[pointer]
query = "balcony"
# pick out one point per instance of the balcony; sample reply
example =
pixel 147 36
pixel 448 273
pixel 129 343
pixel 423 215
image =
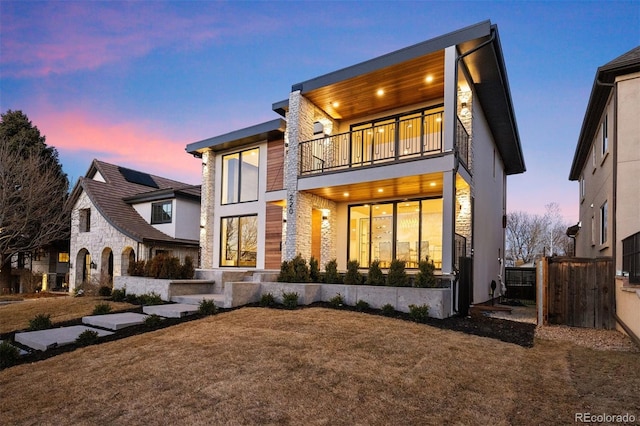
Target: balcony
pixel 409 137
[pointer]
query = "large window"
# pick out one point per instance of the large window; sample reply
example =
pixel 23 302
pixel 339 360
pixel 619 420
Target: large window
pixel 406 230
pixel 161 212
pixel 239 241
pixel 240 176
pixel 85 220
pixel 631 257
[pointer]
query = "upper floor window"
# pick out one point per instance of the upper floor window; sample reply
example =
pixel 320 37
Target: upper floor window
pixel 85 220
pixel 240 176
pixel 603 223
pixel 581 182
pixel 593 157
pixel 161 212
pixel 631 257
pixel 605 135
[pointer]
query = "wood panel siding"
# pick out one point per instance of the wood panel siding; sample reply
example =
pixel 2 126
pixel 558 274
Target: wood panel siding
pixel 273 237
pixel 275 165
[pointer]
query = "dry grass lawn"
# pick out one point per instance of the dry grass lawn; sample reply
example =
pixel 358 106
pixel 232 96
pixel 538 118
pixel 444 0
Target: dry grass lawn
pixel 16 316
pixel 317 366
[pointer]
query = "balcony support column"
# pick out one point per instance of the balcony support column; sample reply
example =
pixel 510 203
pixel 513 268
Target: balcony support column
pixel 207 210
pixel 448 219
pixel 450 95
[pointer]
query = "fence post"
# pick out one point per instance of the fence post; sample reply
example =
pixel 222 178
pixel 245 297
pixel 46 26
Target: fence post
pixel 542 283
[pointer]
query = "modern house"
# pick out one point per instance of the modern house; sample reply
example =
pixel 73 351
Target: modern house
pixel 403 156
pixel 121 215
pixel 45 268
pixel 606 164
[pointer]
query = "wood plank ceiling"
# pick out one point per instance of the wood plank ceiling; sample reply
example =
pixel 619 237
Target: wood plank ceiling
pixel 407 83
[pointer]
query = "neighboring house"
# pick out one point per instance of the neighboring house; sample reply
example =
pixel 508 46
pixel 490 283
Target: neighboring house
pixel 606 164
pixel 403 156
pixel 45 268
pixel 121 215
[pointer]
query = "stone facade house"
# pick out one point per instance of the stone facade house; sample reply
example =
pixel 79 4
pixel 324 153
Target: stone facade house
pixel 403 156
pixel 121 215
pixel 606 164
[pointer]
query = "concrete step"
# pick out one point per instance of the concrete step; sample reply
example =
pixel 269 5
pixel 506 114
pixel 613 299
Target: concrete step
pixel 115 321
pixel 195 299
pixel 47 339
pixel 171 310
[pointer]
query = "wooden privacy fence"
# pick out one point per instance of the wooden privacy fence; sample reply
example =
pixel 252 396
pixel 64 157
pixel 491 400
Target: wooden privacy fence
pixel 577 292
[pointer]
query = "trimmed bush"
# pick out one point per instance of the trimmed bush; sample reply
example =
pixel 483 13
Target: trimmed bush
pixel 362 306
pixel 336 301
pixel 388 310
pixel 132 298
pixel 87 337
pixel 331 275
pixel 419 313
pixel 40 322
pixel 9 355
pixel 102 309
pixel 153 320
pixel 267 300
pixel 300 270
pixel 397 276
pixel 104 291
pixel 425 278
pixel 119 295
pixel 375 275
pixel 207 307
pixel 314 270
pixel 188 269
pixel 289 300
pixel 137 268
pixel 353 276
pixel 148 299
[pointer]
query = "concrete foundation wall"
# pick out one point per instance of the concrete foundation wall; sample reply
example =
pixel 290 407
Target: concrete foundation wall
pixel 165 288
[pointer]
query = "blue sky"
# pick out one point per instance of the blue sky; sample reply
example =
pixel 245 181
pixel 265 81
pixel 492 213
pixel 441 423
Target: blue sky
pixel 133 82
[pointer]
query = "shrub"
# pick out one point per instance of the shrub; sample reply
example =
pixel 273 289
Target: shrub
pixel 119 294
pixel 207 307
pixel 289 300
pixel 102 309
pixel 425 276
pixel 336 301
pixel 419 313
pixel 331 275
pixel 133 299
pixel 152 298
pixel 40 322
pixel 87 337
pixel 9 355
pixel 152 320
pixel 188 270
pixel 300 270
pixel 137 268
pixel 353 276
pixel 104 291
pixel 397 276
pixel 170 268
pixel 314 270
pixel 375 276
pixel 287 273
pixel 388 310
pixel 362 306
pixel 267 300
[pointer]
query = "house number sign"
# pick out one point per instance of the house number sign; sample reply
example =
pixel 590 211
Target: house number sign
pixel 291 198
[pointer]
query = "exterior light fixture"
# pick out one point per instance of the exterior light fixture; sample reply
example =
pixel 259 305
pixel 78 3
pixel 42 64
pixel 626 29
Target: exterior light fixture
pixel 380 190
pixel 429 79
pixel 380 92
pixel 325 215
pixel 464 110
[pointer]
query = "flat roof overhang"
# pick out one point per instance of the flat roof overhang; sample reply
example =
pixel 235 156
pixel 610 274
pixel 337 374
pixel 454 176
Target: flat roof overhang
pixel 270 130
pixel 402 76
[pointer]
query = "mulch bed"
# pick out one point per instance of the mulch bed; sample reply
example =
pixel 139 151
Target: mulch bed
pixel 504 330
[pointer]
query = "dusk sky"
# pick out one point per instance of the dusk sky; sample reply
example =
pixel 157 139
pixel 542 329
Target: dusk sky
pixel 132 83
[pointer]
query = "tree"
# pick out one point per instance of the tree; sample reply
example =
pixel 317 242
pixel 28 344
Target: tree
pixel 33 191
pixel 530 235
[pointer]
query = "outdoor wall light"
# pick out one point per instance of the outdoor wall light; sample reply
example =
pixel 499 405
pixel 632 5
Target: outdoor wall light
pixel 464 110
pixel 93 265
pixel 325 217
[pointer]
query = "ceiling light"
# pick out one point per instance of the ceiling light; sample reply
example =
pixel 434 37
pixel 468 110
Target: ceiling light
pixel 335 104
pixel 380 92
pixel 429 78
pixel 346 194
pixel 380 190
pixel 432 184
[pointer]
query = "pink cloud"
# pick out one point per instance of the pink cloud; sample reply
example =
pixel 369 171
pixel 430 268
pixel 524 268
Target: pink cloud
pixel 137 145
pixel 64 37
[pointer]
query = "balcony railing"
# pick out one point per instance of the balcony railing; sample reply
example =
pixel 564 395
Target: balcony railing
pixel 462 143
pixel 415 137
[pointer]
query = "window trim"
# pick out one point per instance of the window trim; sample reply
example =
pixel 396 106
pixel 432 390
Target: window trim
pixel 631 257
pixel 157 217
pixel 605 136
pixel 238 194
pixel 604 214
pixel 238 247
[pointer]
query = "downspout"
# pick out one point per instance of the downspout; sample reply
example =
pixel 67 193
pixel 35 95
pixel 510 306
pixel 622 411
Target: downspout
pixel 614 159
pixel 456 165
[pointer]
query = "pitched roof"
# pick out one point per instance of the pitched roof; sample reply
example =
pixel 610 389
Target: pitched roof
pixel 113 198
pixel 603 83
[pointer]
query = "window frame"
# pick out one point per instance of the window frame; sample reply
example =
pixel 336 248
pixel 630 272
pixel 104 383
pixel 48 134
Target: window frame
pixel 84 220
pixel 605 135
pixel 157 217
pixel 239 247
pixel 604 214
pixel 224 179
pixel 631 257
